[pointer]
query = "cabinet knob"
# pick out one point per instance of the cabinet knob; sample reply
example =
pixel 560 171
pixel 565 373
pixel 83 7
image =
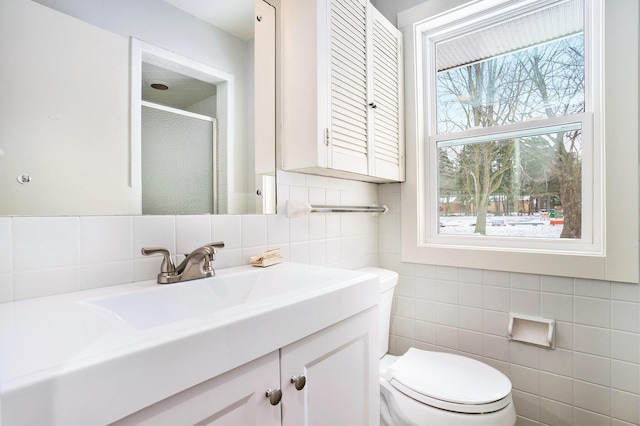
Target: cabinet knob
pixel 274 395
pixel 373 105
pixel 299 381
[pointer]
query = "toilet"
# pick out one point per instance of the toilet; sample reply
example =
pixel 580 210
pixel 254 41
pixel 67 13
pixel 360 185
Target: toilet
pixel 436 388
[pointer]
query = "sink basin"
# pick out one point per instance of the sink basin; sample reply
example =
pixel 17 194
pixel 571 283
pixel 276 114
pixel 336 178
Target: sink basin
pixel 226 293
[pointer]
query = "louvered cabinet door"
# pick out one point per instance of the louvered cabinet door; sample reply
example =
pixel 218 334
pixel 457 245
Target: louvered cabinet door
pixel 342 106
pixel 386 140
pixel 348 127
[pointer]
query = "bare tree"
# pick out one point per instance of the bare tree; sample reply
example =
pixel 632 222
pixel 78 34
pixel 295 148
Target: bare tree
pixel 559 74
pixel 544 81
pixel 482 92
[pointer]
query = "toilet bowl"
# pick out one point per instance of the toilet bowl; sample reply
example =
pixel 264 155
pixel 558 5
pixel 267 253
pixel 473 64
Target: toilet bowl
pixel 436 388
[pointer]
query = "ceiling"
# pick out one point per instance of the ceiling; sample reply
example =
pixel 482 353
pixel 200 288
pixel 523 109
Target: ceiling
pixel 183 92
pixel 232 16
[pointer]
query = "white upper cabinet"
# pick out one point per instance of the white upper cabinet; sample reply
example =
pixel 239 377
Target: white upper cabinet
pixel 342 91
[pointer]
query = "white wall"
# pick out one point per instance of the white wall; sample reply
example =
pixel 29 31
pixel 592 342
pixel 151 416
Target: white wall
pixel 41 256
pixel 162 25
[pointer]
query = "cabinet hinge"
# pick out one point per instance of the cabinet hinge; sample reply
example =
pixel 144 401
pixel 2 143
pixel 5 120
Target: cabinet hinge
pixel 326 136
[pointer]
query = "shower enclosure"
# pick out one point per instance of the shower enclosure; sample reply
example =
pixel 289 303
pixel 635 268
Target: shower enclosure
pixel 178 162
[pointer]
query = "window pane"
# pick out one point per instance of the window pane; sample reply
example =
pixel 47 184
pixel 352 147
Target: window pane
pixel 543 81
pixel 528 186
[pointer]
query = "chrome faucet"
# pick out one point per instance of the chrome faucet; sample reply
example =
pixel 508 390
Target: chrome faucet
pixel 197 264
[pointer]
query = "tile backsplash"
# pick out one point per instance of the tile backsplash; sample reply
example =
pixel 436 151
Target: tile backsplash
pixel 42 256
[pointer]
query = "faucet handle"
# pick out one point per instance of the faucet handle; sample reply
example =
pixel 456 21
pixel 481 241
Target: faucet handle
pixel 167 265
pixel 211 248
pixel 214 246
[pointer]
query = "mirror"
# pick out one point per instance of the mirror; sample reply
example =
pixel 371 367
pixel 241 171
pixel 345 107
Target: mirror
pixel 72 139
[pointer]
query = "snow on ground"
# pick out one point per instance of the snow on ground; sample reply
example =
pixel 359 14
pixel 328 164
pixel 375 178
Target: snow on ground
pixel 509 226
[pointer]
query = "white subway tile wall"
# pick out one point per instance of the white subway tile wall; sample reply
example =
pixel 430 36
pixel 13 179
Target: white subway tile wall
pixel 51 255
pixel 592 377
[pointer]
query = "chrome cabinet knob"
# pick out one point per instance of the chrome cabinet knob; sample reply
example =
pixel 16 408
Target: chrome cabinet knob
pixel 299 381
pixel 274 395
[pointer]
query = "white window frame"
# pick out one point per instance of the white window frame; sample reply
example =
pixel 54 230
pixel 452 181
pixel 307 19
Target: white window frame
pixel 609 247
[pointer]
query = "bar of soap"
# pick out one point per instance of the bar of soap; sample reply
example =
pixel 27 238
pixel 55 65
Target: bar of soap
pixel 267 258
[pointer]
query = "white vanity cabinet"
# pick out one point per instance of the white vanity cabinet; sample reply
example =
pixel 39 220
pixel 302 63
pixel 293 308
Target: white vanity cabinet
pixel 342 85
pixel 236 397
pixel 339 369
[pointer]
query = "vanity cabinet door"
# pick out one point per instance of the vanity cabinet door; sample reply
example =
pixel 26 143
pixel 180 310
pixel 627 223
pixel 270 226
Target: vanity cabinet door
pixel 233 398
pixel 340 369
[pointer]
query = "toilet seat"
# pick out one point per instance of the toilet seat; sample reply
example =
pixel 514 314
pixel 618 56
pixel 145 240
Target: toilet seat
pixel 450 382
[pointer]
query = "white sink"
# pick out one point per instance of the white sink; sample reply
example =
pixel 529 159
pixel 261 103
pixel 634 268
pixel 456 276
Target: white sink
pixel 143 342
pixel 230 292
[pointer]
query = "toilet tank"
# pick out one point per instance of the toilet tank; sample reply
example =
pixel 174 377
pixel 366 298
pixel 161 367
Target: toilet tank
pixel 388 281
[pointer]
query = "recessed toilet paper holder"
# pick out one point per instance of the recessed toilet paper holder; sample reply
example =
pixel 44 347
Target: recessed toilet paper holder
pixel 536 331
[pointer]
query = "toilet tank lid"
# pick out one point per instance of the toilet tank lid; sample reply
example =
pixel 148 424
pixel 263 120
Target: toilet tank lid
pixel 388 279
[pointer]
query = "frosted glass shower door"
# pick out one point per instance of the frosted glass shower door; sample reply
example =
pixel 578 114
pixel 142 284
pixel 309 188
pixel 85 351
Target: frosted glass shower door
pixel 178 160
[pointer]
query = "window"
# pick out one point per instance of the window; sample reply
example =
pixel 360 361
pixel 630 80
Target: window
pixel 513 163
pixel 525 179
pixel 509 113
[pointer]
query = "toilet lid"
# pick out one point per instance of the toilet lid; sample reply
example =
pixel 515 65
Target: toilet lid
pixel 451 382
